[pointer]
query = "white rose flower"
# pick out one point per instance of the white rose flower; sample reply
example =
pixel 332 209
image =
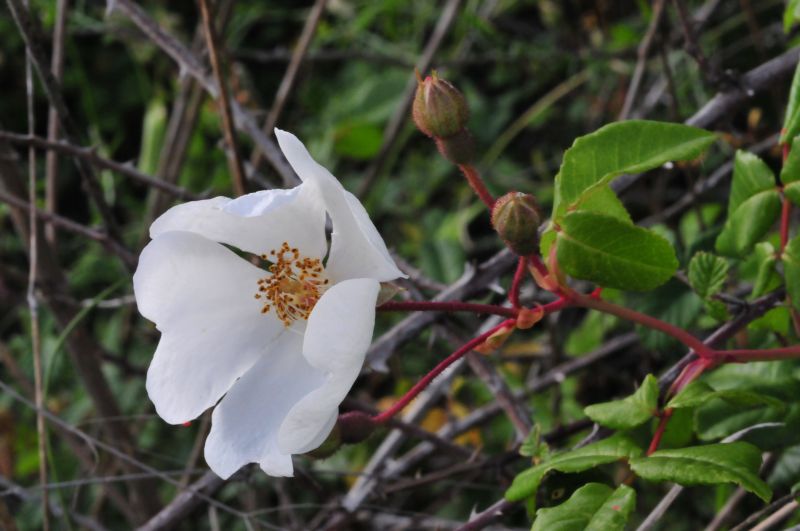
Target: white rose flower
pixel 284 344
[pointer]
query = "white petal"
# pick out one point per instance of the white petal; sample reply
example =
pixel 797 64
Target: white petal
pixel 244 426
pixel 338 335
pixel 357 250
pixel 200 295
pixel 256 223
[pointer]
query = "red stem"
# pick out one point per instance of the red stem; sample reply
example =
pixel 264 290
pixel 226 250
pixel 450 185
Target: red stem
pixel 662 425
pixel 651 322
pixel 428 378
pixel 745 355
pixel 477 184
pixel 537 263
pixel 446 306
pixel 519 275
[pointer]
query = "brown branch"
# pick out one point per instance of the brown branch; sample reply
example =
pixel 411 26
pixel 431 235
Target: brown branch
pixel 51 160
pixel 641 53
pixel 189 64
pixel 234 162
pixel 90 155
pixel 30 31
pixel 72 226
pixel 85 353
pixel 184 503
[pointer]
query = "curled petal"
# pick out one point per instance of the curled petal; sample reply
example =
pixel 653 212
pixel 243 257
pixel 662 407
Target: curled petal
pixel 200 295
pixel 256 223
pixel 337 337
pixel 244 426
pixel 357 250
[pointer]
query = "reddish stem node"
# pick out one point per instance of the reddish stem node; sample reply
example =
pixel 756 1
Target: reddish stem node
pixel 444 364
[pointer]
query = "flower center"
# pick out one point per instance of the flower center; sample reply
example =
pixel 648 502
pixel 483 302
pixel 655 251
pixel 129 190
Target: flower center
pixel 293 286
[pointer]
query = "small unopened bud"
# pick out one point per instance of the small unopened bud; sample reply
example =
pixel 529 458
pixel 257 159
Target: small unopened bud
pixel 355 426
pixel 439 109
pixel 516 218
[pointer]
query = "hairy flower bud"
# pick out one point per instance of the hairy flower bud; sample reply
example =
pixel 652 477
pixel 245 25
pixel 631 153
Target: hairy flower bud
pixel 439 109
pixel 516 218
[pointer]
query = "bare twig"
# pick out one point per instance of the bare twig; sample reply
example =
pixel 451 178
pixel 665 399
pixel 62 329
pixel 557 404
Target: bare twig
pixel 33 304
pixel 778 516
pixel 189 63
pixel 90 155
pixel 641 58
pixel 309 28
pixel 234 161
pixel 68 224
pixel 724 103
pixel 769 509
pixel 30 31
pixel 185 502
pixel 51 160
pixel 487 516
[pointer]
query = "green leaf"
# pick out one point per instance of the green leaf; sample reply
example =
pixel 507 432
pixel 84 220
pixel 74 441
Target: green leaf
pixel 153 131
pixel 697 393
pixel 765 256
pixel 707 273
pixel 791 15
pixel 790 172
pixel 603 200
pixel 614 254
pixel 748 223
pixel 533 446
pixel 593 507
pixel 751 175
pixel 624 147
pixel 791 122
pixel 736 462
pixel 629 412
pixel 358 140
pixel 791 270
pixel 753 206
pixel 792 191
pixel 602 452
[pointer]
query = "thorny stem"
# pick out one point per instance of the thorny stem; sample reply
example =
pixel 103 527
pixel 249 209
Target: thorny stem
pixel 519 276
pixel 446 306
pixel 477 184
pixel 444 364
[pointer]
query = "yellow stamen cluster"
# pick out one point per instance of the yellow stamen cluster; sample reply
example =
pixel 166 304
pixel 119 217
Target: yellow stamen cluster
pixel 293 286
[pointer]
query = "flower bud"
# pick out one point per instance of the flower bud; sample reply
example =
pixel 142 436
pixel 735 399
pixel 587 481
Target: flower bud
pixel 439 109
pixel 516 218
pixel 355 426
